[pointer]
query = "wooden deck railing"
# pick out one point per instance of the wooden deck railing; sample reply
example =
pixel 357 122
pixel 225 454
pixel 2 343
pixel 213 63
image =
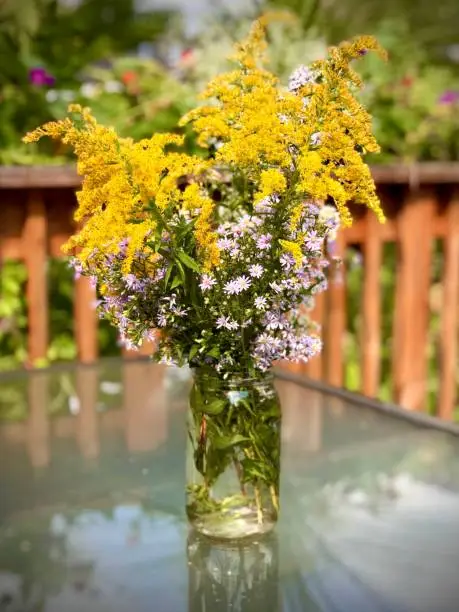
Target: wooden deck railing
pixel 422 206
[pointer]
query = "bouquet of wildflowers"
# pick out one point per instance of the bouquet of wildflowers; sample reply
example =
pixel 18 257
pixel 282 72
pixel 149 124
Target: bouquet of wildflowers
pixel 219 250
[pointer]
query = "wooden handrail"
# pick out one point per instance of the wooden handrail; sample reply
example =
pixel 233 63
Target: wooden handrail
pixel 53 177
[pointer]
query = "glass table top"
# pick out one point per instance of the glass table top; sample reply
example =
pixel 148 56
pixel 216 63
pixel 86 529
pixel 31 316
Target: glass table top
pixel 92 517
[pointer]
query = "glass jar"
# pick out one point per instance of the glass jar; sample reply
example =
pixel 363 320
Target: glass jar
pixel 233 455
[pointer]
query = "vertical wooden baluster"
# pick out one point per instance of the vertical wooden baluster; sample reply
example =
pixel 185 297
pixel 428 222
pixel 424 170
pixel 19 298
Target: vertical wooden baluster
pixel 86 321
pixel 336 322
pixel 371 339
pixel 412 300
pixel 144 405
pixel 87 430
pixel 314 368
pixel 450 313
pixel 38 428
pixel 35 252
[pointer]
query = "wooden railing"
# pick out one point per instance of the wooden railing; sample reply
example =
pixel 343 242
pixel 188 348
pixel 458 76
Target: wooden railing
pixel 422 207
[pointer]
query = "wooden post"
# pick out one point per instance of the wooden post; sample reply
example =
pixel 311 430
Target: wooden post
pixel 35 255
pixel 371 340
pixel 85 320
pixel 412 301
pixel 314 368
pixel 450 313
pixel 336 323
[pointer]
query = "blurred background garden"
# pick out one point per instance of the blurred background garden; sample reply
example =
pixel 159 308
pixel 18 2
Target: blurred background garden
pixel 140 65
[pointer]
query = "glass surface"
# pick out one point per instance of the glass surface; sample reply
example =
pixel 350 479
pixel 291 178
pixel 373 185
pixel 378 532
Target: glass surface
pixel 92 504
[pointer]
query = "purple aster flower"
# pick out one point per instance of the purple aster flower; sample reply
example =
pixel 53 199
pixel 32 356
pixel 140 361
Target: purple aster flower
pixel 207 282
pixel 313 241
pixel 256 270
pixel 266 204
pixel 123 244
pixel 160 274
pixel 225 244
pixel 162 321
pixel 264 242
pixel 316 139
pixel 276 287
pixel 93 281
pixel 230 288
pixel 287 261
pixel 300 77
pixel 132 281
pixel 273 321
pixel 243 282
pixel 180 312
pixel 261 303
pixel 226 323
pixel 235 251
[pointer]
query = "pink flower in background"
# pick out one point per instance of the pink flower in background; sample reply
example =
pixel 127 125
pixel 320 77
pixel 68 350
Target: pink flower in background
pixel 449 97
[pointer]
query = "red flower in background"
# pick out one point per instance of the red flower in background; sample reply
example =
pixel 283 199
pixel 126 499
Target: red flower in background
pixel 407 81
pixel 129 77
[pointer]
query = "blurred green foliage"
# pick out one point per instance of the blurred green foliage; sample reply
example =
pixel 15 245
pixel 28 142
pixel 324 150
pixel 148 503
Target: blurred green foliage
pixel 45 47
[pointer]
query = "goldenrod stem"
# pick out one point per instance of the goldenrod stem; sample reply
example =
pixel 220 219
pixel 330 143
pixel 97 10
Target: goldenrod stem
pixel 274 498
pixel 258 501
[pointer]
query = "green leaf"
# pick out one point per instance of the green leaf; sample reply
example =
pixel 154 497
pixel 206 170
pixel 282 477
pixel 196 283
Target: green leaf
pixel 176 282
pixel 181 270
pixel 214 352
pixel 168 273
pixel 215 407
pixel 222 442
pixel 193 351
pixel 188 261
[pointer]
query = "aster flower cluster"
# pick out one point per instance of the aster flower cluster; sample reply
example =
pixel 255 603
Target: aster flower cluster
pixel 223 255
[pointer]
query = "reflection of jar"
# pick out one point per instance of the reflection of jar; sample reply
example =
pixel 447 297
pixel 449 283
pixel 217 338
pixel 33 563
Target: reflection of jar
pixel 233 577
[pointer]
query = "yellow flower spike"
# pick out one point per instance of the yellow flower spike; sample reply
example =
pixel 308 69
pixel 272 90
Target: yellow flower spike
pixel 294 249
pixel 271 181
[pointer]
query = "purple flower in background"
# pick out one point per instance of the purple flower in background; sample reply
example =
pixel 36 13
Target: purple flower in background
pixel 40 77
pixel 449 97
pixel 264 242
pixel 162 322
pixel 256 270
